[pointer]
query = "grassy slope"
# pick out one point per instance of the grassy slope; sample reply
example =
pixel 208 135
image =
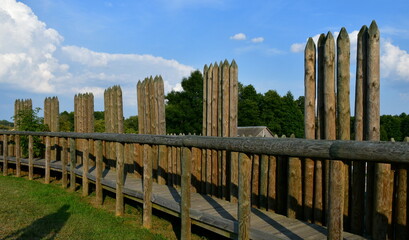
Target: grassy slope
pixel 32 210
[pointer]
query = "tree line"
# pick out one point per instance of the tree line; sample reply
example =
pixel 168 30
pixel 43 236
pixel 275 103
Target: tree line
pixel 283 115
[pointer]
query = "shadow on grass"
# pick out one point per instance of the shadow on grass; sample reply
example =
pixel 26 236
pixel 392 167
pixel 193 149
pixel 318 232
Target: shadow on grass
pixel 46 227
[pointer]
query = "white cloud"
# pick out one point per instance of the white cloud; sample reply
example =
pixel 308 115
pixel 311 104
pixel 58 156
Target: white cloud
pixel 297 47
pixel 257 40
pixel 239 36
pixel 394 61
pixel 33 59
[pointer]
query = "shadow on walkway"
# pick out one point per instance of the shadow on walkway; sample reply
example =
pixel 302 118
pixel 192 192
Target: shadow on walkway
pixel 46 227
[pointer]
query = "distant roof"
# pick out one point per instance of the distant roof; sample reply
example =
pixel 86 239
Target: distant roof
pixel 254 131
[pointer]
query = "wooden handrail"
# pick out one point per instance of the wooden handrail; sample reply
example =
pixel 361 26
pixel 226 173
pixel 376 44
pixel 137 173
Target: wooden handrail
pixel 387 152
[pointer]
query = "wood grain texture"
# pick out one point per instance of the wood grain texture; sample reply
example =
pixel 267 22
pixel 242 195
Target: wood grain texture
pixel 186 159
pixel 147 186
pixel 244 196
pixel 120 178
pixel 98 170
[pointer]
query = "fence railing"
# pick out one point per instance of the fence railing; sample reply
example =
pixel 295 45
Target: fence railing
pixel 268 169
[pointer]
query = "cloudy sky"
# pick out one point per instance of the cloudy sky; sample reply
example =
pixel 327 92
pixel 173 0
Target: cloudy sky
pixel 60 48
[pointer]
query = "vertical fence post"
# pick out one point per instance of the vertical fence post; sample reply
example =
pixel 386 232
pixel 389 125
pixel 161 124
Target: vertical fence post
pixel 5 155
pixel 309 125
pixel 119 206
pixel 85 168
pixel 72 164
pixel 244 209
pixel 401 209
pixel 47 159
pixel 185 198
pixel 358 175
pixel 18 155
pixel 98 174
pixel 344 114
pixel 147 186
pixel 64 153
pixel 30 157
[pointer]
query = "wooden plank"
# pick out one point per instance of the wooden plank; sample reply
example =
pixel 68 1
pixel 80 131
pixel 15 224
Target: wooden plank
pixel 147 186
pixel 64 156
pixel 186 159
pixel 214 129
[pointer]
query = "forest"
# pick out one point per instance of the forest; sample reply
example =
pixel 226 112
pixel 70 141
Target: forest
pixel 283 115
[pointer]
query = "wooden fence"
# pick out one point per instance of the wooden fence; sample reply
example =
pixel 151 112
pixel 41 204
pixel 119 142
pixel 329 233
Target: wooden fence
pixel 274 154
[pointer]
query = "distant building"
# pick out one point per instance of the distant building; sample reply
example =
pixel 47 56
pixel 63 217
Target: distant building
pixel 254 131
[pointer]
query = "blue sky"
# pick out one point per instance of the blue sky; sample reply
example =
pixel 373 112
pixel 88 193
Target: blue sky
pixel 60 48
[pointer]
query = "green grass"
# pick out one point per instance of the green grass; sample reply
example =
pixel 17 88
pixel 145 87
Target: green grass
pixel 32 210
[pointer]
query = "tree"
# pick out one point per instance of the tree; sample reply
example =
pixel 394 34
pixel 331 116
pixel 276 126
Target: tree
pixel 131 124
pixel 249 102
pixel 184 109
pixel 28 120
pixel 67 121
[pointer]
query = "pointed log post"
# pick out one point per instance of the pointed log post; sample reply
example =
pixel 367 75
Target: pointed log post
pixel 72 164
pixel 383 192
pixel 185 198
pixel 214 130
pixel 147 186
pixel 98 172
pixel 234 156
pixel 85 168
pixel 309 125
pixel 344 112
pixel 336 168
pixel 18 155
pixel 358 175
pixel 318 173
pixel 64 157
pixel 120 179
pixel 47 159
pixel 5 155
pixel 209 128
pixel 30 157
pixel 244 208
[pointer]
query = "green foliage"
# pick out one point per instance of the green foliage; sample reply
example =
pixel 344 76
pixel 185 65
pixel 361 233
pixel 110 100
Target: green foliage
pixel 6 125
pixel 184 109
pixel 99 115
pixel 67 121
pixel 282 115
pixel 131 124
pixel 28 120
pixel 99 125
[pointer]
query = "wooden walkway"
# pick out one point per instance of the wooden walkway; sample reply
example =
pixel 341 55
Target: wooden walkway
pixel 211 213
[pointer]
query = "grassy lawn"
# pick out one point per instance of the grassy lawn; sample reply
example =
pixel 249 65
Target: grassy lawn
pixel 33 210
